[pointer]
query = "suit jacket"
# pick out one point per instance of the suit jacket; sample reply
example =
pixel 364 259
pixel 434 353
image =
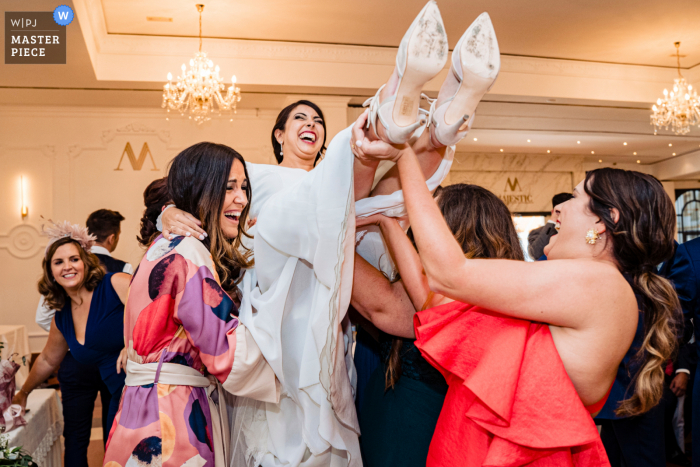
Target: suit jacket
pixel 538 238
pixel 684 273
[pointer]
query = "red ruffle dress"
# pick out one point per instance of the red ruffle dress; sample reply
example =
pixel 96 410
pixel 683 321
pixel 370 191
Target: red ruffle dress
pixel 510 402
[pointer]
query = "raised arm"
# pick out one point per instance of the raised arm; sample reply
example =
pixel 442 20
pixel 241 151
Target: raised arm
pixel 404 255
pixel 384 304
pixel 534 291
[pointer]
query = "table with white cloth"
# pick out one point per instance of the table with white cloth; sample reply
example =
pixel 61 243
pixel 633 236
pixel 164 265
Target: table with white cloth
pixel 16 341
pixel 41 436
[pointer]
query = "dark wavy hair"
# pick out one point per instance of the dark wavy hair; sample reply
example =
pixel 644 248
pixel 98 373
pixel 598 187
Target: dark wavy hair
pixel 155 196
pixel 482 225
pixel 53 293
pixel 197 182
pixel 281 122
pixel 103 223
pixel 641 239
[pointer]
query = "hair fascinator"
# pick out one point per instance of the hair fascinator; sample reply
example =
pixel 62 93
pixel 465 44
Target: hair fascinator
pixel 65 229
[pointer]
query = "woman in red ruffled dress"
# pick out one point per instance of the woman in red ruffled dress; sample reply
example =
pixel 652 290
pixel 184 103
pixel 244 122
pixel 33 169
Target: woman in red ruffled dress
pixel 530 350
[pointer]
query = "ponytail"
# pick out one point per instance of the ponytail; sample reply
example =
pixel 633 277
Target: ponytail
pixel 660 342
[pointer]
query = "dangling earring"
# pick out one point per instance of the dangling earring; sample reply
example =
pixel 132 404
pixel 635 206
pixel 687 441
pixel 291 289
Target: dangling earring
pixel 592 236
pixel 281 153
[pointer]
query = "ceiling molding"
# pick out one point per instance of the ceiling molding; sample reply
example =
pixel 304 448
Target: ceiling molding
pixel 124 57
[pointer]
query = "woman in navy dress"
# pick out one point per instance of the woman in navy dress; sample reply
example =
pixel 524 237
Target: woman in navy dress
pixel 91 318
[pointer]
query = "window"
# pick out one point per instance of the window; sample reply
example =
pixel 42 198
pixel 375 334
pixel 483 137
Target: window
pixel 688 211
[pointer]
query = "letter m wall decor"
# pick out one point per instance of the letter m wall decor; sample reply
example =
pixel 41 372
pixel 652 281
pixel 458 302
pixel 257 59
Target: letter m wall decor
pixel 136 164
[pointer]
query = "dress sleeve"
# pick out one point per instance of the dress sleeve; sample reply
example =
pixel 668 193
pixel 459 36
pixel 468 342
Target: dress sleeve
pixel 209 318
pixel 44 314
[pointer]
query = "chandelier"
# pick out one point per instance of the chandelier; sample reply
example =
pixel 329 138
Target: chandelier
pixel 198 90
pixel 679 109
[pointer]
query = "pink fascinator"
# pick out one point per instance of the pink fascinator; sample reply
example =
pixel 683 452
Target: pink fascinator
pixel 65 229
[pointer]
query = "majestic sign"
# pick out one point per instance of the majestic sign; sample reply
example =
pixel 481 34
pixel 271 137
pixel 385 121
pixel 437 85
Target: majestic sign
pixel 521 191
pixel 136 164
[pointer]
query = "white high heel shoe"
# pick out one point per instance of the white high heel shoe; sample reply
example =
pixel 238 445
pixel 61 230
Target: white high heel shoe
pixel 476 61
pixel 422 54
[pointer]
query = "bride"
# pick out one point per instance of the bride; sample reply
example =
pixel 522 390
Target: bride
pixel 294 300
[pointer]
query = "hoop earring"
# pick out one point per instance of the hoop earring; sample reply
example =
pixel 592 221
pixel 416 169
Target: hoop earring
pixel 592 236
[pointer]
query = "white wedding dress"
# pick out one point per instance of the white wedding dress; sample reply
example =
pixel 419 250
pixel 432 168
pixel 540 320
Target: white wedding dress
pixel 295 303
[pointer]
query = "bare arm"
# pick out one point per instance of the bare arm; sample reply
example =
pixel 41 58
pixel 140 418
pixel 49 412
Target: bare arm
pixel 405 256
pixel 533 291
pixel 120 282
pixel 385 305
pixel 364 168
pixel 47 362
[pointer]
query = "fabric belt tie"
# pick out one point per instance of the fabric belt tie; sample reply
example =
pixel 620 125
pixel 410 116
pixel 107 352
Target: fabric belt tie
pixel 143 374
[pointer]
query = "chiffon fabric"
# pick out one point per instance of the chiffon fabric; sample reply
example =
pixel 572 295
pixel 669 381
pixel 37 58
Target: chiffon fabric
pixel 294 304
pixel 510 401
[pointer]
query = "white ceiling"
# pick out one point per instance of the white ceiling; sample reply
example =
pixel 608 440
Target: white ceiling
pixel 619 31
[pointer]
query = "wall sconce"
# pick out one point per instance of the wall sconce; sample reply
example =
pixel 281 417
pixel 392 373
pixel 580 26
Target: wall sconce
pixel 25 209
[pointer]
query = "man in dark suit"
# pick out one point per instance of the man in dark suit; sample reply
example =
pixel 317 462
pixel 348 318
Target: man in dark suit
pixel 538 238
pixel 80 383
pixel 684 272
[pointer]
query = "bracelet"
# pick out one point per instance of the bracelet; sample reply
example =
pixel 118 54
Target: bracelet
pixel 24 392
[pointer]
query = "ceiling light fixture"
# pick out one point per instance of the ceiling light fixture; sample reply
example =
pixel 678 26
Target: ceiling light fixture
pixel 634 153
pixel 679 109
pixel 638 162
pixel 198 90
pixel 547 151
pixel 600 160
pixel 624 144
pixel 673 154
pixel 501 150
pixel 592 152
pixel 578 142
pixel 474 139
pixel 528 141
pixel 670 144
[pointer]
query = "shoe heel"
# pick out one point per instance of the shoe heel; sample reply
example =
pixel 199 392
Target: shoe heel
pixel 476 62
pixel 422 55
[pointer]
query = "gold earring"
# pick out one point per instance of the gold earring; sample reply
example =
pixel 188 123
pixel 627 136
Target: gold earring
pixel 592 236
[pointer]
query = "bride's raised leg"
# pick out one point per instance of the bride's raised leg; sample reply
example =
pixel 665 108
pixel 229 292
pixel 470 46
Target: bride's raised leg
pixel 395 110
pixel 474 68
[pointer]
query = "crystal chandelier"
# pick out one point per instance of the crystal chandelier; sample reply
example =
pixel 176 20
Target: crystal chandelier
pixel 679 109
pixel 198 90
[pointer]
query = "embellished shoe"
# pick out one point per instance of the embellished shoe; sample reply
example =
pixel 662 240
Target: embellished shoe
pixel 476 61
pixel 421 56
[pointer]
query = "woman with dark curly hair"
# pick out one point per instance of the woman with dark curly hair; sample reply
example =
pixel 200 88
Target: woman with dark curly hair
pixel 155 196
pixel 91 304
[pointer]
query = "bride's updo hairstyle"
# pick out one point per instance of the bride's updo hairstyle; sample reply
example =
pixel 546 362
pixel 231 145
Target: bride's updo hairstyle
pixel 197 182
pixel 641 239
pixel 281 122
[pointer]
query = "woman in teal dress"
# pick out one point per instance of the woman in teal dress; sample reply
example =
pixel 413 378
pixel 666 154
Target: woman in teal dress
pixel 404 396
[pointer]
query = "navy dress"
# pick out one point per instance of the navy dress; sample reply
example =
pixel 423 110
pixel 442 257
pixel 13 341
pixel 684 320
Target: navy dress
pixel 104 338
pixel 397 424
